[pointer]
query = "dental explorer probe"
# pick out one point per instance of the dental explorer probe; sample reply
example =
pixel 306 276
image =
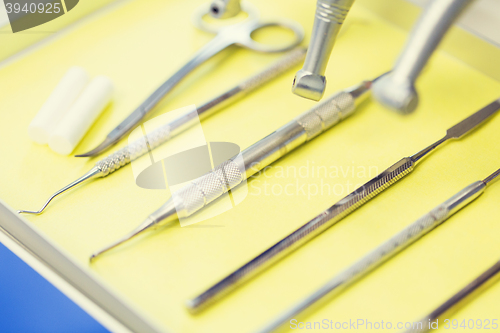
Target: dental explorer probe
pixel 165 132
pixel 490 276
pixel 388 249
pixel 229 174
pixel 335 213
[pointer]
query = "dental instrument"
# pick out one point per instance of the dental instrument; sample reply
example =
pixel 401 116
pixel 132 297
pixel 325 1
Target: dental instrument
pixel 310 81
pixel 165 132
pixel 335 213
pixel 397 90
pixel 387 250
pixel 453 303
pixel 223 9
pixel 238 34
pixel 205 189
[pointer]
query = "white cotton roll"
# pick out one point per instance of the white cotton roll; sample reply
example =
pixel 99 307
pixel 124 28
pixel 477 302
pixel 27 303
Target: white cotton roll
pixel 81 115
pixel 58 103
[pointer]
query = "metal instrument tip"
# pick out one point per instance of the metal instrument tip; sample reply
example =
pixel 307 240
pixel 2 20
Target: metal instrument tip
pixel 494 176
pixel 115 244
pixel 93 173
pixel 99 149
pixel 149 222
pixel 38 212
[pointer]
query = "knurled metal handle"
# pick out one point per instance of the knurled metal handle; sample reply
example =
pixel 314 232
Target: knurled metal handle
pixel 305 233
pixel 159 136
pixel 369 262
pixel 333 10
pixel 205 189
pixel 292 58
pixel 389 249
pixel 134 150
pixel 393 246
pixel 335 213
pixel 326 114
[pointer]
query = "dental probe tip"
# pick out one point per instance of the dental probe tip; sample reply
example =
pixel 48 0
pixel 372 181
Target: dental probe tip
pixel 149 222
pixel 38 212
pixel 97 150
pixel 165 214
pixel 93 173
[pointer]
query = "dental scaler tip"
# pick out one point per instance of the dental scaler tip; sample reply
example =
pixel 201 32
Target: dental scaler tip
pixel 202 191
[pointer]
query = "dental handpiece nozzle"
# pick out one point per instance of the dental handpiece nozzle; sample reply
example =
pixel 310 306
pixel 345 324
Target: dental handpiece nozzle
pixel 397 90
pixel 310 81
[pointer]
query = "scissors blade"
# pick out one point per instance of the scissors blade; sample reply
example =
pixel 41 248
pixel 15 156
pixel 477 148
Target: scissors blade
pixel 128 124
pixel 467 125
pixel 108 142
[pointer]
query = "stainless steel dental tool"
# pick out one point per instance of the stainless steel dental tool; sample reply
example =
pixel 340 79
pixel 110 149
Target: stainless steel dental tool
pixel 335 213
pixel 387 250
pixel 202 191
pixel 223 9
pixel 310 81
pixel 491 275
pixel 238 34
pixel 397 89
pixel 164 133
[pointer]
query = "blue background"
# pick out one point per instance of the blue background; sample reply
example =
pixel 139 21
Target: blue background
pixel 29 303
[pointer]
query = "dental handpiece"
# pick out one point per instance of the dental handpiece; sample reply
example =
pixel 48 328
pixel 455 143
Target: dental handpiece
pixel 202 191
pixel 164 133
pixel 387 250
pixel 334 214
pixel 397 89
pixel 310 81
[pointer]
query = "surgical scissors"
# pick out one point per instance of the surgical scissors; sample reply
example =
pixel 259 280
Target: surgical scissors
pixel 164 133
pixel 238 34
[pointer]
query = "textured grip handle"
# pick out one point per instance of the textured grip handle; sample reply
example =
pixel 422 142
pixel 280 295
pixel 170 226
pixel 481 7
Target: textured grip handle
pixel 371 260
pixel 202 191
pixel 326 114
pixel 332 215
pixel 389 249
pixel 291 59
pixel 410 234
pixel 394 245
pixel 134 150
pixel 334 11
pixel 368 262
pixel 138 148
pixel 372 188
pixel 307 231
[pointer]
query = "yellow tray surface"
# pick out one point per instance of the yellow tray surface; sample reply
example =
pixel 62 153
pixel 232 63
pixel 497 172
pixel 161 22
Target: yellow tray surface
pixel 142 43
